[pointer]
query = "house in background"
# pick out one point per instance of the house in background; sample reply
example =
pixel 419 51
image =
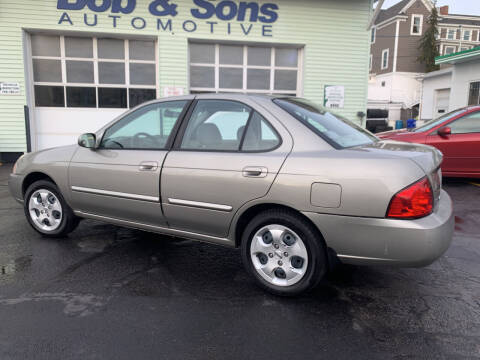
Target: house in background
pixel 455 86
pixel 395 81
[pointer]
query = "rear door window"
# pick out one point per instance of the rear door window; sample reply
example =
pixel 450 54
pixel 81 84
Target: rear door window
pixel 224 125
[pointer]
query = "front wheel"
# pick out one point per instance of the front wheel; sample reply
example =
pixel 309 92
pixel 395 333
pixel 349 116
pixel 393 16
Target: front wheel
pixel 283 252
pixel 47 211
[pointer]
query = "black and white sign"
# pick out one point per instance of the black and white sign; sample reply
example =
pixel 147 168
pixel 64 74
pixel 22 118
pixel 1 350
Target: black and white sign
pixel 9 88
pixel 334 96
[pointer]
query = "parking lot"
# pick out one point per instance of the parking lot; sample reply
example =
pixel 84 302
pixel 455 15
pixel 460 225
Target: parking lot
pixel 110 292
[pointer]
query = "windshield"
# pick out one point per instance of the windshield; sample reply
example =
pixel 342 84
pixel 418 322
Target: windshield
pixel 334 129
pixel 432 123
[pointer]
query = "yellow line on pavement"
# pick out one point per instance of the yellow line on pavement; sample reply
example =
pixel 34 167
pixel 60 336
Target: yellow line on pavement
pixel 475 184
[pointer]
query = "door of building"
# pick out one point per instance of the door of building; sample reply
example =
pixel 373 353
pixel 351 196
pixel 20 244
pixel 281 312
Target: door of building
pixel 442 102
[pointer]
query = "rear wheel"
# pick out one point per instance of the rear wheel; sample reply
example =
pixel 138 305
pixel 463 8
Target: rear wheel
pixel 46 210
pixel 283 252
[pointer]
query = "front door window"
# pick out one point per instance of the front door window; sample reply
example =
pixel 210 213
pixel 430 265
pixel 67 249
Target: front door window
pixel 146 128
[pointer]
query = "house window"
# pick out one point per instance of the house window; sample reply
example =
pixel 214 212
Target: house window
pixel 467 34
pixel 451 34
pixel 474 93
pixel 371 62
pixel 244 69
pixel 417 22
pixel 449 50
pixel 465 48
pixel 373 35
pixel 91 72
pixel 385 54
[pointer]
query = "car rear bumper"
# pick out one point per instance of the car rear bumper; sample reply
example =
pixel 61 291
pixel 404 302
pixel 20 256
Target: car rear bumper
pixel 15 186
pixel 372 241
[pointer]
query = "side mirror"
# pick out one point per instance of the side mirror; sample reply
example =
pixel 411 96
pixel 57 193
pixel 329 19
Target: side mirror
pixel 87 141
pixel 444 131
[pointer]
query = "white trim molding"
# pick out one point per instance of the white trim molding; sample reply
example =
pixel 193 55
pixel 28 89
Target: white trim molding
pixel 428 4
pixel 395 51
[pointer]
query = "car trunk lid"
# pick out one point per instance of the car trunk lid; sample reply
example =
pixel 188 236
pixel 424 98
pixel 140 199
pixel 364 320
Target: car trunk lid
pixel 426 157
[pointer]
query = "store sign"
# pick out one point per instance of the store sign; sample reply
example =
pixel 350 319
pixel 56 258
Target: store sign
pixel 334 96
pixel 227 17
pixel 9 88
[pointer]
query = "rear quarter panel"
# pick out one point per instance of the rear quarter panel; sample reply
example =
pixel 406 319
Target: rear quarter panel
pixel 367 185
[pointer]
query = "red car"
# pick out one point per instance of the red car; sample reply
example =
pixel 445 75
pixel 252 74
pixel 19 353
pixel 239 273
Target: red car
pixel 456 135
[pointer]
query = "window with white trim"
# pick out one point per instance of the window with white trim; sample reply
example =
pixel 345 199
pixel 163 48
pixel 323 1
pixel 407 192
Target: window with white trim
pixel 417 24
pixel 373 35
pixel 91 72
pixel 449 50
pixel 371 62
pixel 385 54
pixel 467 34
pixel 451 34
pixel 244 69
pixel 465 48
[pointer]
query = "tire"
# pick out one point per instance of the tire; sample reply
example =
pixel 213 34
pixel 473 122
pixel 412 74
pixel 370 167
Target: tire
pixel 284 227
pixel 43 201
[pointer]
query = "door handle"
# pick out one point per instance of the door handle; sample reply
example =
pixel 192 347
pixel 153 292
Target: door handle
pixel 254 171
pixel 148 166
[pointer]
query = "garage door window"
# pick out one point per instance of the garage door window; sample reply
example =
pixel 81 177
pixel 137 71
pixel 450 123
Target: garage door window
pixel 244 69
pixel 92 72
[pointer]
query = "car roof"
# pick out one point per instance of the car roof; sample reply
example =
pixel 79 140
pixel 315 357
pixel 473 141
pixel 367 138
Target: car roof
pixel 233 96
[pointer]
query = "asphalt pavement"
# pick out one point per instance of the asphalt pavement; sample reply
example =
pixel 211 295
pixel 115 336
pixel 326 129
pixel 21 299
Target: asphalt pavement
pixel 107 292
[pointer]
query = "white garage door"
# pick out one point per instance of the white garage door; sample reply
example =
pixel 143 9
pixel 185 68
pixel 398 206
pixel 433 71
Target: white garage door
pixel 442 101
pixel 82 83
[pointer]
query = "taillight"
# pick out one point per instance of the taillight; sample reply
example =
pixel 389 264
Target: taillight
pixel 413 202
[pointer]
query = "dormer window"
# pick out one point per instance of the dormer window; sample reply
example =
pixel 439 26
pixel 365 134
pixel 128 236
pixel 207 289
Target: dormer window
pixel 417 22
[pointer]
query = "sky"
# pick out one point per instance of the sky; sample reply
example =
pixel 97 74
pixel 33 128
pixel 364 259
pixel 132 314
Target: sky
pixel 465 7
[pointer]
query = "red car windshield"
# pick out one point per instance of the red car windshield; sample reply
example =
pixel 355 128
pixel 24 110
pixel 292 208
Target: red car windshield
pixel 432 123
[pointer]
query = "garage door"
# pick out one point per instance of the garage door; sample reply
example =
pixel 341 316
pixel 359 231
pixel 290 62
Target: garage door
pixel 82 83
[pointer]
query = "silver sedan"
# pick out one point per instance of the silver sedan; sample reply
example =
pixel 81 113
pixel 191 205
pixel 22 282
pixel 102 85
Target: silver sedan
pixel 292 184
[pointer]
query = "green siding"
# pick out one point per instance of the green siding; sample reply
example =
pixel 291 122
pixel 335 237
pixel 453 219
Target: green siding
pixel 333 33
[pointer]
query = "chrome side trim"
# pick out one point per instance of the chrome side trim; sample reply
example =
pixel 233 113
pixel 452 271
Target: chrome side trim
pixel 158 229
pixel 199 204
pixel 363 258
pixel 116 194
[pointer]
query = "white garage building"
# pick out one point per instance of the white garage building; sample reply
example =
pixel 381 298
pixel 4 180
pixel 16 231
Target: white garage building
pixel 456 85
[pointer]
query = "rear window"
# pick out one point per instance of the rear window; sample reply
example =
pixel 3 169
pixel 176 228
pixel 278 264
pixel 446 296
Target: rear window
pixel 334 129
